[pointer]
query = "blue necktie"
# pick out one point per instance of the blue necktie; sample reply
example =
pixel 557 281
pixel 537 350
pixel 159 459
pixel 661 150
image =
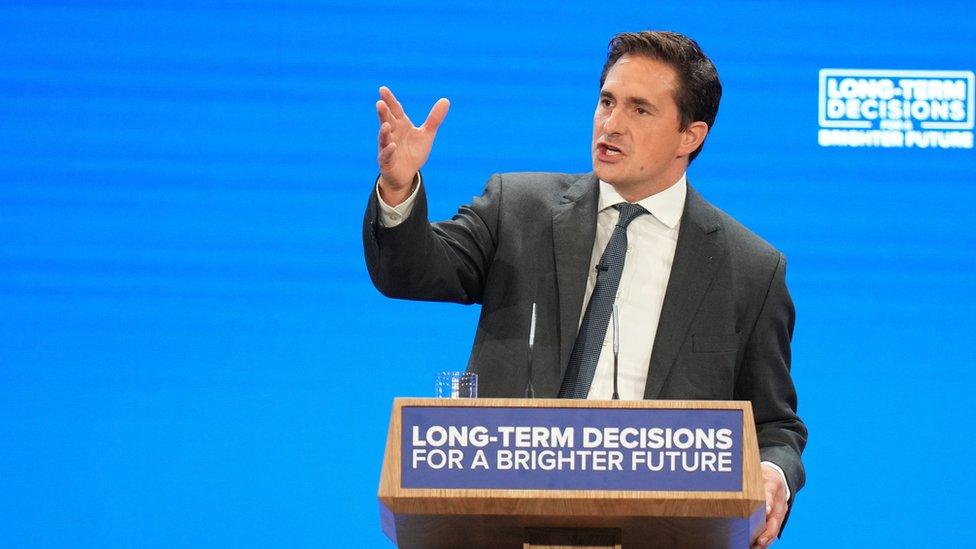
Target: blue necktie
pixel 593 330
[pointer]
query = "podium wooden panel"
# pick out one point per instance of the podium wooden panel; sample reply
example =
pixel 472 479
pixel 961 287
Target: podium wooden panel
pixel 476 518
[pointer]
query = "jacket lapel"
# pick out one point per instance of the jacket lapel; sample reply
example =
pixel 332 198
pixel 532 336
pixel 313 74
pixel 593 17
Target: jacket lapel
pixel 573 232
pixel 696 260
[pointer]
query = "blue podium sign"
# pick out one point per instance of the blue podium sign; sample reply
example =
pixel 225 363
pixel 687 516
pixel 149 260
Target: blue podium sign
pixel 639 449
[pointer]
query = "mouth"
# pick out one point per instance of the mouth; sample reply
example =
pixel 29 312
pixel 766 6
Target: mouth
pixel 607 152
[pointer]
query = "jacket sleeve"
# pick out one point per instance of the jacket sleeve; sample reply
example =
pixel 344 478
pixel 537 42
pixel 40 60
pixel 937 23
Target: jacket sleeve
pixel 446 261
pixel 765 380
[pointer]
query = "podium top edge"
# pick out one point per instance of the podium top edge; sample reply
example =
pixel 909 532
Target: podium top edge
pixel 400 402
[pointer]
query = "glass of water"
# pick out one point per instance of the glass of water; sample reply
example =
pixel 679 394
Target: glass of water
pixel 456 385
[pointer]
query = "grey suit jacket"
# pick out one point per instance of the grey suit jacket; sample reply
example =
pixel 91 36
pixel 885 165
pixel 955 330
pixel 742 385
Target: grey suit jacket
pixel 725 326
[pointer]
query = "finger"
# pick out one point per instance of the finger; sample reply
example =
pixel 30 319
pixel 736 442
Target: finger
pixel 386 155
pixel 763 540
pixel 774 521
pixel 436 115
pixel 386 134
pixel 383 112
pixel 773 524
pixel 391 101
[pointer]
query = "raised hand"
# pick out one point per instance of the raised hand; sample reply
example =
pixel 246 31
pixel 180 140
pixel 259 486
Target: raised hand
pixel 402 147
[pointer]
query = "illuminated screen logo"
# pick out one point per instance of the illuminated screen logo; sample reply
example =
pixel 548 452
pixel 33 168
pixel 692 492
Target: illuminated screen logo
pixel 892 108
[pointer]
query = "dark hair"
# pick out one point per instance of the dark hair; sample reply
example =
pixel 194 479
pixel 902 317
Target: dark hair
pixel 699 90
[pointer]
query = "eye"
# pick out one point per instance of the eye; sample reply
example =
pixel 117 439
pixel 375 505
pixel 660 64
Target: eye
pixel 641 111
pixel 605 102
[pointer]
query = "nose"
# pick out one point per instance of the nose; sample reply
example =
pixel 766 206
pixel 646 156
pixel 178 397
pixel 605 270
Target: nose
pixel 612 122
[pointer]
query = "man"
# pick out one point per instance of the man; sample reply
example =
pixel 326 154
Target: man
pixel 704 309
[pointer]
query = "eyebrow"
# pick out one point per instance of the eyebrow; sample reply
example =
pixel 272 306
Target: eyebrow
pixel 636 101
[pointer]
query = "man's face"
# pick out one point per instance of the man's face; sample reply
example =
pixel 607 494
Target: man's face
pixel 637 146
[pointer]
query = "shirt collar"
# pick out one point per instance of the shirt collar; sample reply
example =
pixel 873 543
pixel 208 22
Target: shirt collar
pixel 666 205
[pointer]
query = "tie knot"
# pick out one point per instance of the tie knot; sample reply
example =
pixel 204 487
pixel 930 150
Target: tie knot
pixel 628 213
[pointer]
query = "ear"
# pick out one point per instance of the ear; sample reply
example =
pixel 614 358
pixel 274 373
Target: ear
pixel 692 137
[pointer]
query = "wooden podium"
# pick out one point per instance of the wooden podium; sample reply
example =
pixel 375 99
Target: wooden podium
pixel 499 517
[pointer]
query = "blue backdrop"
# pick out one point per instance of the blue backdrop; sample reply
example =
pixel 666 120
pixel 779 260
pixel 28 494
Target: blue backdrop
pixel 191 352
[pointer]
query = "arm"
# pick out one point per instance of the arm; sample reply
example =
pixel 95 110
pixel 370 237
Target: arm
pixel 765 380
pixel 445 261
pixel 407 257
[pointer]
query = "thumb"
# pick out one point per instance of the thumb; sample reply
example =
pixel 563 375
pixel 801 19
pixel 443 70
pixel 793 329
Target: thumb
pixel 436 115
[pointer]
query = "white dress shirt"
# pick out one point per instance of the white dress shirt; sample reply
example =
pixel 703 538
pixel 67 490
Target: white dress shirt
pixel 651 241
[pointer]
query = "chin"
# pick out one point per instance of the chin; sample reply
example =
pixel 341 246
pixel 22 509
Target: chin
pixel 605 175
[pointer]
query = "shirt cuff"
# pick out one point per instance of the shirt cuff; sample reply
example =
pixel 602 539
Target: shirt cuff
pixel 781 474
pixel 391 216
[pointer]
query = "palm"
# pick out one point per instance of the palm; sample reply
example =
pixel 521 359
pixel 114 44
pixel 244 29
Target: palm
pixel 413 145
pixel 403 147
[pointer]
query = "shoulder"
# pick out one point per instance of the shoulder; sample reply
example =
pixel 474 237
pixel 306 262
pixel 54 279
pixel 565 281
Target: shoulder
pixel 536 182
pixel 744 245
pixel 536 189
